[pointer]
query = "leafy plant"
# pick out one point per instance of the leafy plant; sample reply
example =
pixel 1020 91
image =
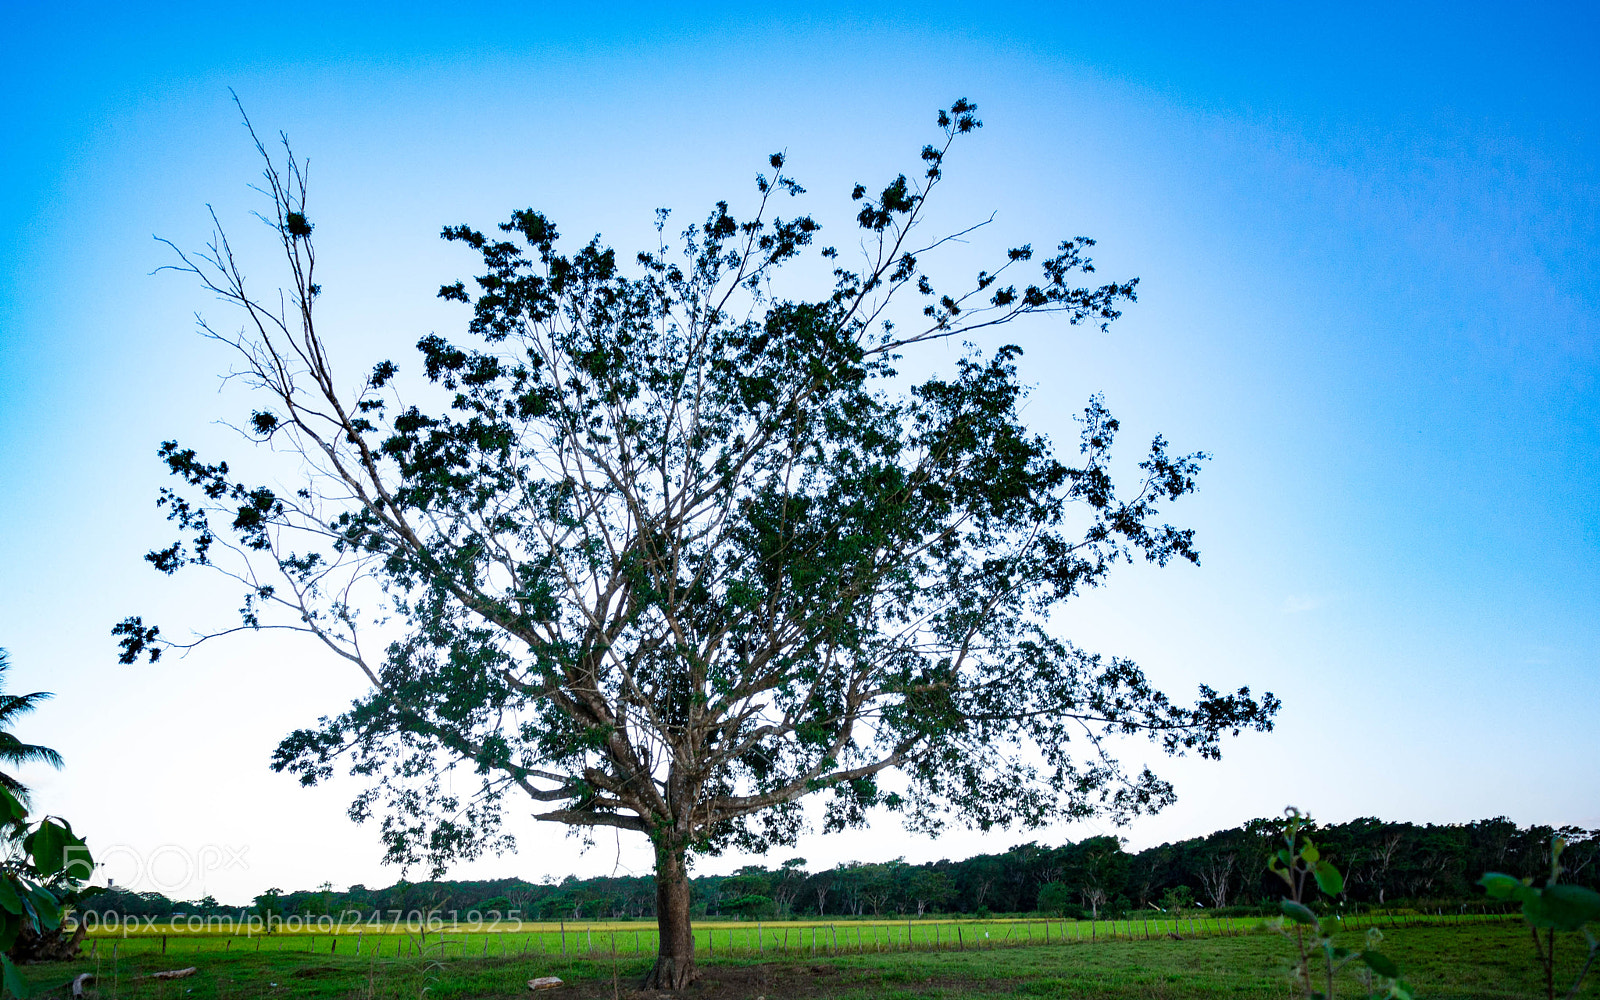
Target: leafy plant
pixel 1554 907
pixel 12 750
pixel 1177 899
pixel 44 873
pixel 1301 865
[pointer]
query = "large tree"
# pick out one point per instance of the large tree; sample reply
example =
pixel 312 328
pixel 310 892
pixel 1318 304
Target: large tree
pixel 664 548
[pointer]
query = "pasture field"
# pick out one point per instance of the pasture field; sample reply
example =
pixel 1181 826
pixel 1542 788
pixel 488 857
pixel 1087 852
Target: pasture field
pixel 414 937
pixel 1475 959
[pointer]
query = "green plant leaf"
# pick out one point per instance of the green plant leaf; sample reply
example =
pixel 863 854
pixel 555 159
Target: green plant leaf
pixel 1562 907
pixel 48 846
pixel 1328 878
pixel 1502 886
pixel 46 908
pixel 1310 853
pixel 1380 963
pixel 1298 913
pixel 11 809
pixel 12 979
pixel 10 900
pixel 1579 899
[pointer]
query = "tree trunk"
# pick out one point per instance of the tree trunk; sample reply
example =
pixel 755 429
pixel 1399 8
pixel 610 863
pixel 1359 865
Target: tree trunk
pixel 674 968
pixel 51 946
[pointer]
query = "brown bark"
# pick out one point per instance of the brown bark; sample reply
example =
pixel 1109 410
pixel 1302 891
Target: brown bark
pixel 674 968
pixel 51 946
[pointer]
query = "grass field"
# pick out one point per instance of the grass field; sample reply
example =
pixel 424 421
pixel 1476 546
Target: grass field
pixel 1462 960
pixel 746 939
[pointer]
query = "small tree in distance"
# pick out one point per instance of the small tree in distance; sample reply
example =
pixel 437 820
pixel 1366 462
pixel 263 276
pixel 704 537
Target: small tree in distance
pixel 675 551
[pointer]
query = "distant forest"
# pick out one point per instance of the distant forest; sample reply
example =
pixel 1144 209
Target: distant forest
pixel 1386 864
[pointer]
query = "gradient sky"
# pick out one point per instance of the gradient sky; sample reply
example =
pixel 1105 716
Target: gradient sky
pixel 1366 242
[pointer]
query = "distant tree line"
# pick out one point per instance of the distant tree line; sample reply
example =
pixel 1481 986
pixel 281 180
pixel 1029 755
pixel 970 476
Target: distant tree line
pixel 1386 864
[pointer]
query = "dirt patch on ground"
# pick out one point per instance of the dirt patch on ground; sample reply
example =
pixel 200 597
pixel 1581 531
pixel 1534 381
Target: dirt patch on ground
pixel 766 982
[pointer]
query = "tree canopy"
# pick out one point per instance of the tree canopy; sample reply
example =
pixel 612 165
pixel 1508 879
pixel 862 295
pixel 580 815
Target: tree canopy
pixel 664 548
pixel 12 750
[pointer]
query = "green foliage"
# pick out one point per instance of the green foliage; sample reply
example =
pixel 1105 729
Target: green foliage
pixel 37 883
pixel 1057 898
pixel 1553 907
pixel 672 541
pixel 12 750
pixel 1300 864
pixel 1177 899
pixel 46 864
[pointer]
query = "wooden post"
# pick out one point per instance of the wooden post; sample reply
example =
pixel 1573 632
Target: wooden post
pixel 563 938
pixel 163 944
pixel 358 943
pixel 760 948
pixel 960 944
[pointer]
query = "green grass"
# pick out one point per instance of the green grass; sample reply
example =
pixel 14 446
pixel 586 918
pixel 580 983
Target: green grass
pixel 1467 961
pixel 602 939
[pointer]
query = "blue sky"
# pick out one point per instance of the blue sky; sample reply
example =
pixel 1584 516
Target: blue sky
pixel 1365 238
